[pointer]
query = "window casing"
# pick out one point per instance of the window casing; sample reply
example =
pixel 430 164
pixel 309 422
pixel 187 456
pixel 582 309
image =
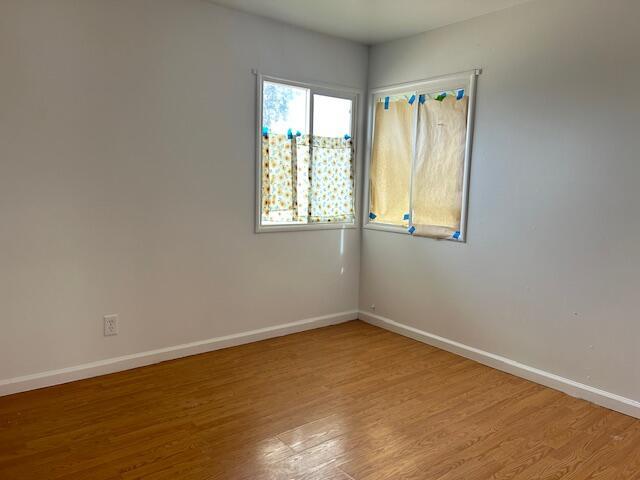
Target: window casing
pixel 320 145
pixel 419 157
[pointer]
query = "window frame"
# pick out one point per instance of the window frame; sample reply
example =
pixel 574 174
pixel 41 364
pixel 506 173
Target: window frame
pixel 314 89
pixel 467 80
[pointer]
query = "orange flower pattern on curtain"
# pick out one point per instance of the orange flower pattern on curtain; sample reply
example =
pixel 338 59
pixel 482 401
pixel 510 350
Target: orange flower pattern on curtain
pixel 331 179
pixel 295 189
pixel 280 167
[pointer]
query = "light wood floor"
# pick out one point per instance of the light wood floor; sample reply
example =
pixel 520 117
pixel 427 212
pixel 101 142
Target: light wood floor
pixel 345 402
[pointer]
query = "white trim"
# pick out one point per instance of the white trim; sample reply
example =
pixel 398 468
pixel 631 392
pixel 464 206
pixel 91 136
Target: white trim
pixel 337 91
pixel 606 399
pixel 319 86
pixel 414 154
pixel 432 82
pixel 306 227
pixel 258 157
pixel 126 362
pixel 466 175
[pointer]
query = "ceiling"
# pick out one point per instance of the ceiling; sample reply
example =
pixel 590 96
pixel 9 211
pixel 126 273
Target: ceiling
pixel 369 21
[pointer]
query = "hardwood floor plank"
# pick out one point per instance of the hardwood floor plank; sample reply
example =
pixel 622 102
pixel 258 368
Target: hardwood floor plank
pixel 346 402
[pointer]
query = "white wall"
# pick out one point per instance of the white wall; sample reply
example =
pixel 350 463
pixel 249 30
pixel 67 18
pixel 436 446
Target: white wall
pixel 127 179
pixel 551 265
pixel 127 185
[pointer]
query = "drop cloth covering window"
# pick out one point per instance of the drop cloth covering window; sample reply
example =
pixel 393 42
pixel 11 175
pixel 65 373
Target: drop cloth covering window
pixel 392 154
pixel 419 160
pixel 439 166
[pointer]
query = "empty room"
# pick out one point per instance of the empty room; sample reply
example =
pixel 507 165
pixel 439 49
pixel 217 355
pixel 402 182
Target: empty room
pixel 319 240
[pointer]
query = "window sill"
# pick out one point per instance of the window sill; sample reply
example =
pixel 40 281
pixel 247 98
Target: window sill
pixel 305 227
pixel 403 231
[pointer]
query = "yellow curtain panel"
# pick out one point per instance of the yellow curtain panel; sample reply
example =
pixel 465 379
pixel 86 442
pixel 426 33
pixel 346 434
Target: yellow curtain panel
pixel 391 159
pixel 439 168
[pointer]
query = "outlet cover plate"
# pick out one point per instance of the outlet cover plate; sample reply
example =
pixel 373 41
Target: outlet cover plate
pixel 110 325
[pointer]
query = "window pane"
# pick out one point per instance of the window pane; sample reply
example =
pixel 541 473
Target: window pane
pixel 306 176
pixel 285 166
pixel 285 107
pixel 331 188
pixel 391 160
pixel 285 154
pixel 331 116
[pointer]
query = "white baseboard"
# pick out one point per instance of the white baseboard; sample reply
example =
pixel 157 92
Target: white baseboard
pixel 126 362
pixel 571 387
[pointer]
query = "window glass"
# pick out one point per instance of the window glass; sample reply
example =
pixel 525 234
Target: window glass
pixel 306 168
pixel 285 107
pixel 331 116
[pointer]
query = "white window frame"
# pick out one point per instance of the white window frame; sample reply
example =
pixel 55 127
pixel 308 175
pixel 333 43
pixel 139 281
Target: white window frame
pixel 466 80
pixel 317 89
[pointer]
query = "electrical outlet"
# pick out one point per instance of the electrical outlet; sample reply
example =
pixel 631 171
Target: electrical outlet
pixel 110 325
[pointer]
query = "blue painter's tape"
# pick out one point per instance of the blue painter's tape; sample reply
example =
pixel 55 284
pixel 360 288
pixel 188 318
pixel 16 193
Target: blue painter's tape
pixel 411 229
pixel 422 99
pixel 456 235
pixel 347 136
pixel 386 103
pixel 460 95
pixel 265 132
pixel 289 134
pixel 405 216
pixel 372 216
pixel 412 99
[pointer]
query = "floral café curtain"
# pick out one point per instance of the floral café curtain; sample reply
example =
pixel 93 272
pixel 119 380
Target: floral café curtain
pixel 307 179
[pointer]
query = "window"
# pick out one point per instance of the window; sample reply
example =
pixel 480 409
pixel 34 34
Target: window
pixel 420 154
pixel 306 166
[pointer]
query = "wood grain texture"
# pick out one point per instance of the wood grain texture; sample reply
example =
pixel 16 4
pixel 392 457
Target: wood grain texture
pixel 347 402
